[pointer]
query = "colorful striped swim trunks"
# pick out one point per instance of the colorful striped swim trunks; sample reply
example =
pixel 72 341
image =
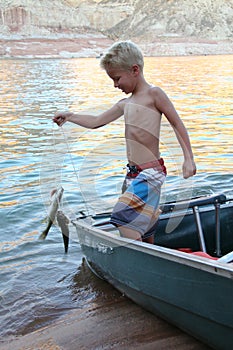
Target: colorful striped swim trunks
pixel 137 208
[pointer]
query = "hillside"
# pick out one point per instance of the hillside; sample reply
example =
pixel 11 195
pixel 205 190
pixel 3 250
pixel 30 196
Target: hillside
pixel 85 28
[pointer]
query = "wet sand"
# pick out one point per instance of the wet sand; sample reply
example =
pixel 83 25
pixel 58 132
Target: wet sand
pixel 106 320
pixel 116 324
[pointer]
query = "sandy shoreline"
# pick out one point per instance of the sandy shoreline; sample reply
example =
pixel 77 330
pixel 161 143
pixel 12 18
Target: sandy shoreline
pixel 53 48
pixel 115 325
pixel 93 46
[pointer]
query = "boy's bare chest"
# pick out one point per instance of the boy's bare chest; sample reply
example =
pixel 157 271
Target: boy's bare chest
pixel 142 117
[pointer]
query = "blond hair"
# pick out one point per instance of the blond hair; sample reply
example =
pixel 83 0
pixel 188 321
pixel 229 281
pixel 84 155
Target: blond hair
pixel 123 55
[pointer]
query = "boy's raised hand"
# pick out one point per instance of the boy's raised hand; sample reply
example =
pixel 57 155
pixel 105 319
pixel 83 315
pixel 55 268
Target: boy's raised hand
pixel 61 117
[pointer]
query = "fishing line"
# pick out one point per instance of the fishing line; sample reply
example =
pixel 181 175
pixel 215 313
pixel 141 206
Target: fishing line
pixel 54 161
pixel 75 171
pixel 55 153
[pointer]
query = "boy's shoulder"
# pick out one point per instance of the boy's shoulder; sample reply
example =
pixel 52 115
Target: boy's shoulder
pixel 157 94
pixel 121 103
pixel 155 89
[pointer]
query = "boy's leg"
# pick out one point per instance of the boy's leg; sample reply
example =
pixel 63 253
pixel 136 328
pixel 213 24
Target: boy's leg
pixel 132 234
pixel 149 236
pixel 149 240
pixel 129 233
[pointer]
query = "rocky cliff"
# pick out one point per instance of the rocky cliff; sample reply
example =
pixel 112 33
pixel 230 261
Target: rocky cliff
pixel 185 25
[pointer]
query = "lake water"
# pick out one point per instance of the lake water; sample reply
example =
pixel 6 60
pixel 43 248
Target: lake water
pixel 38 282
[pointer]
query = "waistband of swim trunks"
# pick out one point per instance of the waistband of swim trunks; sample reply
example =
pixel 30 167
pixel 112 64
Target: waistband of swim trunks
pixel 134 170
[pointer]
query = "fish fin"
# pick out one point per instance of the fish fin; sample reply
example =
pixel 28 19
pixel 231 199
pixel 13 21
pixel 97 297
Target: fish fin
pixel 66 242
pixel 63 222
pixel 43 235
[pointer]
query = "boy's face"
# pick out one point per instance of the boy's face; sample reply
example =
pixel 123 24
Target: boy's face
pixel 125 80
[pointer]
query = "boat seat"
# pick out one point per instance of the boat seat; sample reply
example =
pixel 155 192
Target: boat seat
pixel 194 204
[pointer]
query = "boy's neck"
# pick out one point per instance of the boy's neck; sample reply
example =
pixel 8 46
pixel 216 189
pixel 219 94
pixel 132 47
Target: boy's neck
pixel 141 85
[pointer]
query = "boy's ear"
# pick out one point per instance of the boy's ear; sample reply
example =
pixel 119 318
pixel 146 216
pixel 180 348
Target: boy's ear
pixel 135 69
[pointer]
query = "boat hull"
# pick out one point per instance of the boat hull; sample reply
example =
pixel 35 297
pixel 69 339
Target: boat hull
pixel 191 292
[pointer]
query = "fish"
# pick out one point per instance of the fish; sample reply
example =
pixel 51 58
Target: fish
pixel 63 222
pixel 56 196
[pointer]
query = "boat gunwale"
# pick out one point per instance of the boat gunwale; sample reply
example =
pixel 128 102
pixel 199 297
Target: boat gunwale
pixel 189 211
pixel 195 261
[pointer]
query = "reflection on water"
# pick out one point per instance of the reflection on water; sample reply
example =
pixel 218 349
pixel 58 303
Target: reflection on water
pixel 37 282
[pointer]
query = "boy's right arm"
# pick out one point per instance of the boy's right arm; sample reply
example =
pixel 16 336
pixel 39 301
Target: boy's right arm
pixel 165 106
pixel 90 121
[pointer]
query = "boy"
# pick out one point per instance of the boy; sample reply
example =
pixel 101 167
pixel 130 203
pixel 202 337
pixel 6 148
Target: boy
pixel 136 212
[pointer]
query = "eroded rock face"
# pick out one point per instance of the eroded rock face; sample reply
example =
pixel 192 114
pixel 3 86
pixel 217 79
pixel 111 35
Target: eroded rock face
pixel 14 19
pixel 183 24
pixel 210 19
pixel 53 17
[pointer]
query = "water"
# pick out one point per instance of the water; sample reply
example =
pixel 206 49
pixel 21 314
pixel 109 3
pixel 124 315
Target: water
pixel 39 282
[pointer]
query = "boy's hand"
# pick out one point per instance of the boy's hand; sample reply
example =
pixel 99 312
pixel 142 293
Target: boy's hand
pixel 189 168
pixel 61 117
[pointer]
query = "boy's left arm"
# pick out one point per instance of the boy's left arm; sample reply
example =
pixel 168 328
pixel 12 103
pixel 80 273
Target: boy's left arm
pixel 165 106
